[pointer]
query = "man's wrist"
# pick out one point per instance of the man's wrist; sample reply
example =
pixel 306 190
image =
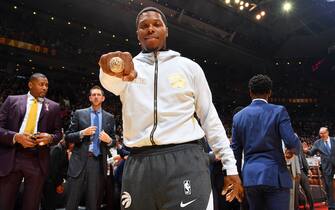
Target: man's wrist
pixel 81 134
pixel 110 141
pixel 51 138
pixel 232 171
pixel 14 138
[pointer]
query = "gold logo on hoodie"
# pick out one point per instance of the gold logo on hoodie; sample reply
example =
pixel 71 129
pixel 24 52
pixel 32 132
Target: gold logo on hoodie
pixel 177 80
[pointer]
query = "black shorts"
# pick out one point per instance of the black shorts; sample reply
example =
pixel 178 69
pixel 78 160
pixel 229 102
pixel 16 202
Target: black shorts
pixel 168 177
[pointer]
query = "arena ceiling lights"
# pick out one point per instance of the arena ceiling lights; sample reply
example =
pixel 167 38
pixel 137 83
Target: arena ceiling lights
pixel 241 5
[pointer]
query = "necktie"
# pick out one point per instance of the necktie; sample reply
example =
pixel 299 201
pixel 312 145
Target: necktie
pixel 328 146
pixel 96 148
pixel 32 117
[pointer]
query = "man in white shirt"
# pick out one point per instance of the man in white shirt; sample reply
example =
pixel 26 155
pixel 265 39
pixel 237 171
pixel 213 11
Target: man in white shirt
pixel 29 124
pixel 160 93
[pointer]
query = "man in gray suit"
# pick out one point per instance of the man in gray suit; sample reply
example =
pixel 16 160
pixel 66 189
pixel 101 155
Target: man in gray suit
pixel 325 146
pixel 91 130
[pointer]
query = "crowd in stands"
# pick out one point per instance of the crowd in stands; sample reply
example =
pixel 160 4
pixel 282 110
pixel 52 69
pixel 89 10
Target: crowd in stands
pixel 229 89
pixel 227 95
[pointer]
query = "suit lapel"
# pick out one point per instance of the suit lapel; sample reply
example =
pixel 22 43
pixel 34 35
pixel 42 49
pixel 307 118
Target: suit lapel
pixel 332 145
pixel 325 149
pixel 102 145
pixel 103 121
pixel 23 106
pixel 45 107
pixel 87 117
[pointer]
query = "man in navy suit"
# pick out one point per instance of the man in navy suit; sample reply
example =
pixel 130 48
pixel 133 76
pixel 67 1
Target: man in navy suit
pixel 22 154
pixel 90 130
pixel 325 146
pixel 258 131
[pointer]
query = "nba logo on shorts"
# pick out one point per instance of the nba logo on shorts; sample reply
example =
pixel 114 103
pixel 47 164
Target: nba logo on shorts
pixel 187 187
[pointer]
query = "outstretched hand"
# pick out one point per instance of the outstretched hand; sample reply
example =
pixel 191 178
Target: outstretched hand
pixel 127 74
pixel 232 188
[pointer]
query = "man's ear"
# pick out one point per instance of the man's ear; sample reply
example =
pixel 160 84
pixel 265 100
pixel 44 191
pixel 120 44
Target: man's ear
pixel 30 85
pixel 167 32
pixel 251 94
pixel 137 35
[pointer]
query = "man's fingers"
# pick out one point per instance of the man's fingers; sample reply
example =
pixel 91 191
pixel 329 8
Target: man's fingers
pixel 26 134
pixel 226 189
pixel 130 77
pixel 104 62
pixel 28 143
pixel 233 191
pixel 128 73
pixel 231 195
pixel 128 62
pixel 101 135
pixel 239 197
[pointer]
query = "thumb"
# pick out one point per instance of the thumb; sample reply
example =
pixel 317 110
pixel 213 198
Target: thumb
pixel 130 77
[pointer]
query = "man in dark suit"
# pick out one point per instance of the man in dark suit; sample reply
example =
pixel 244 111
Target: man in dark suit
pixel 304 182
pixel 53 189
pixel 29 124
pixel 91 130
pixel 258 131
pixel 325 146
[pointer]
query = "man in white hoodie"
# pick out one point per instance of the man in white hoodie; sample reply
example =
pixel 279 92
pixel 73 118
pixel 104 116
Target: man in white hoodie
pixel 161 92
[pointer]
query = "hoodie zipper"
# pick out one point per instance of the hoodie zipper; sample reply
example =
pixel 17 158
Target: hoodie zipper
pixel 155 101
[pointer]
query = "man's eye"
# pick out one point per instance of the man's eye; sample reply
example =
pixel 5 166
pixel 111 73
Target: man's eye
pixel 144 26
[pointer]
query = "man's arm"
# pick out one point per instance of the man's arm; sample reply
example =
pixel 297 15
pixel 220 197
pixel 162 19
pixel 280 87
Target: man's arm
pixel 111 131
pixel 116 82
pixel 216 135
pixel 72 135
pixel 313 150
pixel 6 135
pixel 290 139
pixel 57 134
pixel 237 147
pixel 211 123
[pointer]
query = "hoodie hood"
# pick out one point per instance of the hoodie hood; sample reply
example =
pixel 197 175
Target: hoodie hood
pixel 161 57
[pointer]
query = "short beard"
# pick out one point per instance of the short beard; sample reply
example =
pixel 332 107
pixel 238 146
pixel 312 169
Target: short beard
pixel 151 50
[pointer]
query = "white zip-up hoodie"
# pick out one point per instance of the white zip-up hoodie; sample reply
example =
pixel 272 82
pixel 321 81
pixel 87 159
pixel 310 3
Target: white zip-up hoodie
pixel 182 90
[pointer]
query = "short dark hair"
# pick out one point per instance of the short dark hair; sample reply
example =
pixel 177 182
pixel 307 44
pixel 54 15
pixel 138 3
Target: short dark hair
pixel 260 84
pixel 154 9
pixel 36 76
pixel 97 87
